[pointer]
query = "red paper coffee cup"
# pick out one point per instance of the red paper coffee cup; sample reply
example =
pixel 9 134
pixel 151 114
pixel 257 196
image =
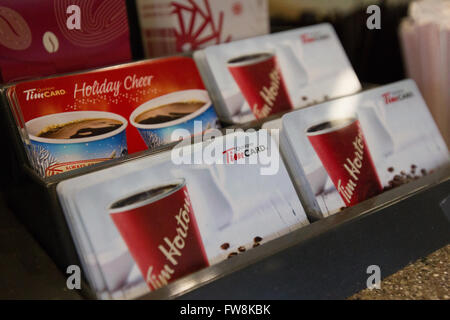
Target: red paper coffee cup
pixel 259 78
pixel 159 227
pixel 342 148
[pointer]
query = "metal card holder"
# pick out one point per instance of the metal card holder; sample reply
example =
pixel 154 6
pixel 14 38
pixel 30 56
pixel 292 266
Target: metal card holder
pixel 326 260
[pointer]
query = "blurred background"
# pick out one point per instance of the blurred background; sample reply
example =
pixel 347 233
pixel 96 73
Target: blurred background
pixel 374 54
pixel 413 42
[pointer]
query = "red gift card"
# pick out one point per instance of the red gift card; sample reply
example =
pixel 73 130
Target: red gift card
pixel 47 37
pixel 77 120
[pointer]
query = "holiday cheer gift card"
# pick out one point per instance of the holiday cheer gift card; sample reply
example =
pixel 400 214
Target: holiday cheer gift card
pixel 145 223
pixel 255 78
pixel 345 151
pixel 77 120
pixel 45 37
pixel 170 27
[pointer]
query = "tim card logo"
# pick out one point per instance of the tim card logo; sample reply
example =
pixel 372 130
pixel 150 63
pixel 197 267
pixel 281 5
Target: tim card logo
pixel 313 37
pixel 43 93
pixel 237 153
pixel 232 147
pixel 395 96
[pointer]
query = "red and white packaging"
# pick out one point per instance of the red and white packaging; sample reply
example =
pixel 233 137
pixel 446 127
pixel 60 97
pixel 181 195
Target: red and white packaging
pixel 169 27
pixel 40 38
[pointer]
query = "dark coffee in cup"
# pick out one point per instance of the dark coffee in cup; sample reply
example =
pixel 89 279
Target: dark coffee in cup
pixel 156 119
pixel 83 128
pixel 249 57
pixel 329 125
pixel 169 112
pixel 140 197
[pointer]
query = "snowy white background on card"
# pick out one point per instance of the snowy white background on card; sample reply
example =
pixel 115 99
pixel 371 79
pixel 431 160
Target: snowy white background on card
pixel 398 128
pixel 312 61
pixel 232 203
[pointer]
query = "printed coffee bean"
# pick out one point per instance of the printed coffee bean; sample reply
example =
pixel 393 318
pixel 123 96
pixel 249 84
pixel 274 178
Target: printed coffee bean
pixel 50 41
pixel 304 98
pixel 391 169
pixel 404 178
pixel 225 246
pixel 232 254
pixel 14 31
pixel 241 249
pixel 257 239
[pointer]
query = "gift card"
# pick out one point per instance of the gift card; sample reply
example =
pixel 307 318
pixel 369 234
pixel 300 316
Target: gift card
pixel 61 36
pixel 170 27
pixel 257 77
pixel 351 149
pixel 77 120
pixel 147 222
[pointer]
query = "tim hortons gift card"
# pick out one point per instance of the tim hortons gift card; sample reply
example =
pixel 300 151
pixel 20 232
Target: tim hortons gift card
pixel 45 37
pixel 73 121
pixel 257 77
pixel 351 149
pixel 145 223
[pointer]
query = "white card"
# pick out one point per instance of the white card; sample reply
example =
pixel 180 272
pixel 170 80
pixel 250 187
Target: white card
pixel 311 61
pixel 232 203
pixel 401 136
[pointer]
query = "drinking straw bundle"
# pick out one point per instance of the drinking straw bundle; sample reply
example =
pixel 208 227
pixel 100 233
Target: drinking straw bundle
pixel 425 38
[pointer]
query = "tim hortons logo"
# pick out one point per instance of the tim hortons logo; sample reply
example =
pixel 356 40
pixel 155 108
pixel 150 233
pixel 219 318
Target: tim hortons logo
pixel 234 154
pixel 269 94
pixel 172 249
pixel 313 37
pixel 37 94
pixel 391 97
pixel 353 167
